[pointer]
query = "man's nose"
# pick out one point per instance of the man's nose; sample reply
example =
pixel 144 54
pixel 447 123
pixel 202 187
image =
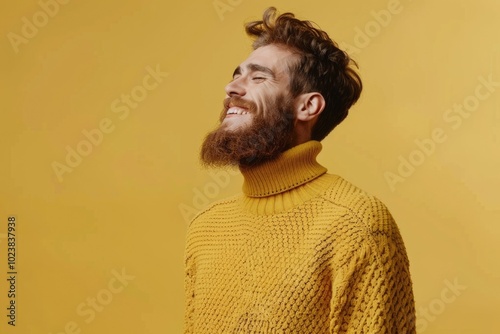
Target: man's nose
pixel 236 87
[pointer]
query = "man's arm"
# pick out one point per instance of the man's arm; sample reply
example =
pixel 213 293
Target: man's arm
pixel 372 291
pixel 189 279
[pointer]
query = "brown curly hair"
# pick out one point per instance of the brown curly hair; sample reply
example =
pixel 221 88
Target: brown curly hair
pixel 322 66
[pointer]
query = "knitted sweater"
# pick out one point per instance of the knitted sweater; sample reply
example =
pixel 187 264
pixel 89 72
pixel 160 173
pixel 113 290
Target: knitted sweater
pixel 300 251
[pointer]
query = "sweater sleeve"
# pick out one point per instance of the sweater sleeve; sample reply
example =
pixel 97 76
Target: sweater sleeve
pixel 372 289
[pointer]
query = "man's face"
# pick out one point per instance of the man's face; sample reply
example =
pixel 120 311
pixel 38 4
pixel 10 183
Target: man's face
pixel 261 77
pixel 258 117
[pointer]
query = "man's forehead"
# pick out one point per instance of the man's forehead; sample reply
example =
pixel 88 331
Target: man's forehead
pixel 274 57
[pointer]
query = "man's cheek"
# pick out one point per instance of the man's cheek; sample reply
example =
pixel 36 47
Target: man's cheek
pixel 260 104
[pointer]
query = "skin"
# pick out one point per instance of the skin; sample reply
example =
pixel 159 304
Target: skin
pixel 265 74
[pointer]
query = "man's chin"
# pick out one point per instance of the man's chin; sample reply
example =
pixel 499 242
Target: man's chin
pixel 228 149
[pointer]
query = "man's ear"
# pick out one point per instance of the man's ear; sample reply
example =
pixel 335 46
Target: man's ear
pixel 309 105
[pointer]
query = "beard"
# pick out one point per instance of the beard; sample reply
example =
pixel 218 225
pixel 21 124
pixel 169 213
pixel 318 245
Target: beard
pixel 269 133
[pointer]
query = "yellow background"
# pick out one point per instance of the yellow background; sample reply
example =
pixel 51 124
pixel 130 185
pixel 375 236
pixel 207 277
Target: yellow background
pixel 120 207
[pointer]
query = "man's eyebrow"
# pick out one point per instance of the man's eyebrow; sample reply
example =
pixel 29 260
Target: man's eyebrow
pixel 255 68
pixel 237 71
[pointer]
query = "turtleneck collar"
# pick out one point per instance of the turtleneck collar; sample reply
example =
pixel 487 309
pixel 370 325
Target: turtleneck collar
pixel 293 168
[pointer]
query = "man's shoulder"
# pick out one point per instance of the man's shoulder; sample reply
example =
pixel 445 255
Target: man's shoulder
pixel 361 206
pixel 216 207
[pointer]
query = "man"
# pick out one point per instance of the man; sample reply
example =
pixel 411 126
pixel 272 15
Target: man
pixel 301 250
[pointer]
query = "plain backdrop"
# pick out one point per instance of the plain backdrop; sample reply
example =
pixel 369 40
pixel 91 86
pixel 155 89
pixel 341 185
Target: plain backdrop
pixel 104 105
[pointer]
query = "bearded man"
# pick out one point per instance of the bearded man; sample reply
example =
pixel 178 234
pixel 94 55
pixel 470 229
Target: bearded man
pixel 300 250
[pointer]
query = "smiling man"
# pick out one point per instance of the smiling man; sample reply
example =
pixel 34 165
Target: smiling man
pixel 300 250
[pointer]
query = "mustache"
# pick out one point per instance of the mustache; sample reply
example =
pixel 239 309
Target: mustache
pixel 237 101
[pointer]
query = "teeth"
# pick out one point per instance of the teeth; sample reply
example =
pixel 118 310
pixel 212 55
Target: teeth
pixel 236 111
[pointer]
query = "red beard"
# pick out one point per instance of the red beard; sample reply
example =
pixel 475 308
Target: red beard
pixel 269 134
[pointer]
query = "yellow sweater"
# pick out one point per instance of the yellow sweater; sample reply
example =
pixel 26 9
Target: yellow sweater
pixel 300 251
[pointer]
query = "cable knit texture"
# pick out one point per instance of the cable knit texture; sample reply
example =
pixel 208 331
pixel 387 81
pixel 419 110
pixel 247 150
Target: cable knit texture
pixel 300 251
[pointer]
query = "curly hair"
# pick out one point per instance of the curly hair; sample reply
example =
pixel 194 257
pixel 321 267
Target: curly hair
pixel 322 66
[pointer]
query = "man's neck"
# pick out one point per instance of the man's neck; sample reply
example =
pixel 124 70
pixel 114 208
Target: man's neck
pixel 291 169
